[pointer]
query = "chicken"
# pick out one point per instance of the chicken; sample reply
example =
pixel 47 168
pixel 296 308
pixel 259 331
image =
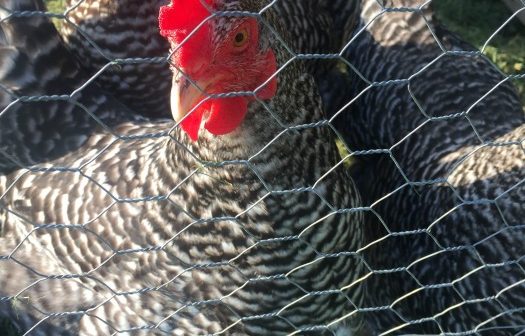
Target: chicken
pixel 237 219
pixel 442 133
pixel 32 130
pixel 103 30
pixel 124 32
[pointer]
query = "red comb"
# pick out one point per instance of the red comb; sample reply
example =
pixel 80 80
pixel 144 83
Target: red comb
pixel 181 17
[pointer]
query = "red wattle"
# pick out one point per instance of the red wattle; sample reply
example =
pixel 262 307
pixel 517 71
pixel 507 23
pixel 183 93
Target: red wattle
pixel 226 115
pixel 192 122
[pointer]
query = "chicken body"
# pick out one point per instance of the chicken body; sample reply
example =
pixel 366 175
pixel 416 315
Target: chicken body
pixel 443 169
pixel 111 223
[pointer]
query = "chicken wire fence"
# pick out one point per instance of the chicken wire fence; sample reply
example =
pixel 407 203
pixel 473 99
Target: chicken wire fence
pixel 434 137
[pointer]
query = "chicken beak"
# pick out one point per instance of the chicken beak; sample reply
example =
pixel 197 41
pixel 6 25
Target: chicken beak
pixel 185 95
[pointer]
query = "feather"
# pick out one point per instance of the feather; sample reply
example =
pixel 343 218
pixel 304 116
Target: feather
pixel 115 223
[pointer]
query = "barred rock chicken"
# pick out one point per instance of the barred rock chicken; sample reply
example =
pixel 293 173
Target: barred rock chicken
pixel 446 179
pixel 102 31
pixel 238 222
pixel 105 30
pixel 32 130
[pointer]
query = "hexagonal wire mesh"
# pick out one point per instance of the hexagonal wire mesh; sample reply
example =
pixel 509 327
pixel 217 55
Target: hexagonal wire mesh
pixel 116 224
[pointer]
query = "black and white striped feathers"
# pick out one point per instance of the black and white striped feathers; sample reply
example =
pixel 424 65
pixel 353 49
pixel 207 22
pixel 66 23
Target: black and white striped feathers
pixel 99 32
pixel 35 130
pixel 111 223
pixel 445 177
pixel 105 30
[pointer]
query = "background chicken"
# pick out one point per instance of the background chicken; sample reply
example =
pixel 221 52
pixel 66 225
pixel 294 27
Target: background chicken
pixel 115 224
pixel 99 32
pixel 444 173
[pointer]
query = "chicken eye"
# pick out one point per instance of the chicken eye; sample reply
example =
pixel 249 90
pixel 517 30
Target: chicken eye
pixel 240 38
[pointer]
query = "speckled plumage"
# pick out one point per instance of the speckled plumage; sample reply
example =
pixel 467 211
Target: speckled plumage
pixel 123 225
pixel 124 29
pixel 447 187
pixel 97 36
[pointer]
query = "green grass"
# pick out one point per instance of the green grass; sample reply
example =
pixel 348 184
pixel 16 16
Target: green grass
pixel 55 6
pixel 476 21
